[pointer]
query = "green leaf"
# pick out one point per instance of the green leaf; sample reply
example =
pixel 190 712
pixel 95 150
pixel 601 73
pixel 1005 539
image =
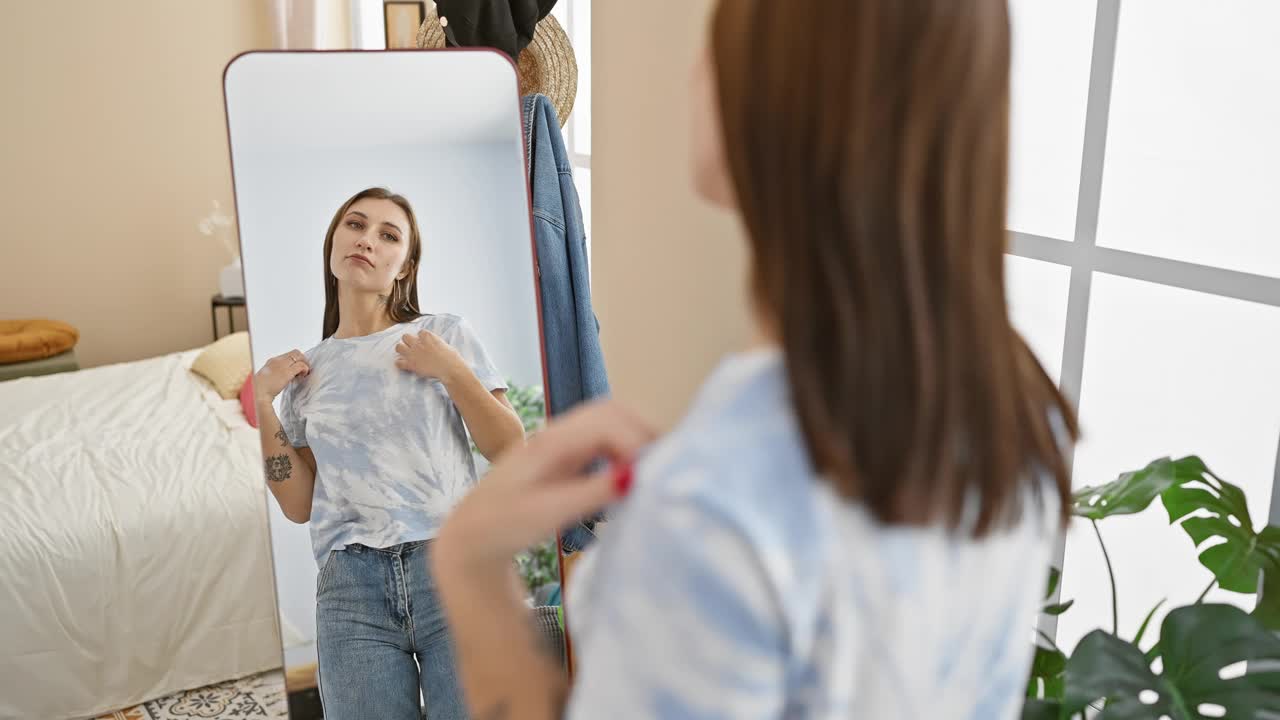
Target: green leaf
pixel 1242 553
pixel 1104 666
pixel 1054 576
pixel 1152 654
pixel 1201 529
pixel 1181 504
pixel 1268 610
pixel 1048 663
pixel 1054 688
pixel 1142 629
pixel 1133 492
pixel 1057 609
pixel 1048 666
pixel 1035 709
pixel 1233 564
pixel 1197 642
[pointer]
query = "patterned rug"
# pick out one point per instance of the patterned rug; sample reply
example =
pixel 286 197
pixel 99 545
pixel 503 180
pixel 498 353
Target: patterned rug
pixel 251 698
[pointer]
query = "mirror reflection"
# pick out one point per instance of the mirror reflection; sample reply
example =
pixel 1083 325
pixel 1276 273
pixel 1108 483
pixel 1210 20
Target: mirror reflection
pixel 389 265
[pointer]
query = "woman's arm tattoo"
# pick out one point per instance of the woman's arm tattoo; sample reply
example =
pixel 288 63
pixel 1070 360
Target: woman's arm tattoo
pixel 278 468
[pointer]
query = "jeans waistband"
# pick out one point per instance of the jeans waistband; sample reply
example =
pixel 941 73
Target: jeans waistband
pixel 399 549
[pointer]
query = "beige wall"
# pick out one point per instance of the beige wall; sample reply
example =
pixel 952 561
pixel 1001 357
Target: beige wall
pixel 114 146
pixel 668 272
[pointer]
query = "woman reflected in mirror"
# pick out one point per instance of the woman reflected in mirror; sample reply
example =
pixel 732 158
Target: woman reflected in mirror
pixel 372 446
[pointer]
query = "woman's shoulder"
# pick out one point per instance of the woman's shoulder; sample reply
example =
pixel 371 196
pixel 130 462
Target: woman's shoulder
pixel 737 526
pixel 317 349
pixel 754 484
pixel 319 353
pixel 738 453
pixel 438 322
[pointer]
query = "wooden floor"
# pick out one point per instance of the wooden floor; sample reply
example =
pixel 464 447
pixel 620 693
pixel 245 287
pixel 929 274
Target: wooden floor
pixel 300 677
pixel 304 697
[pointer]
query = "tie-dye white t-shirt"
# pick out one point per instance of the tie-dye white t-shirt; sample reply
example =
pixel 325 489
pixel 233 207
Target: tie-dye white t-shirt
pixel 392 453
pixel 733 583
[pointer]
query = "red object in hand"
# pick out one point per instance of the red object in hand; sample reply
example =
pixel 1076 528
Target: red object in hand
pixel 247 403
pixel 622 479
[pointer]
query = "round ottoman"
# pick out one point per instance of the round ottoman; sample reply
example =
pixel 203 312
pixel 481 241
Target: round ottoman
pixel 24 340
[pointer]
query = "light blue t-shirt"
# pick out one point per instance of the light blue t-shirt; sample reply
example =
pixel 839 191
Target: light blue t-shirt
pixel 734 583
pixel 392 452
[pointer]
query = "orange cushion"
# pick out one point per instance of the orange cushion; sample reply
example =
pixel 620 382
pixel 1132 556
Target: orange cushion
pixel 23 340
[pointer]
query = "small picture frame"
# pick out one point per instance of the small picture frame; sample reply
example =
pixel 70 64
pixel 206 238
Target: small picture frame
pixel 402 20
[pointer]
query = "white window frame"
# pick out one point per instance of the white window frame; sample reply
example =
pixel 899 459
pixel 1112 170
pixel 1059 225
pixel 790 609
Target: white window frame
pixel 572 18
pixel 580 160
pixel 1083 256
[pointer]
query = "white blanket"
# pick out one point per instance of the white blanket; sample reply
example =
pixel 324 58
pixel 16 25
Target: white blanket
pixel 134 548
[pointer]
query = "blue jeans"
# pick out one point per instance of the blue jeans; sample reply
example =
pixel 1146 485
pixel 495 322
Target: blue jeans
pixel 381 637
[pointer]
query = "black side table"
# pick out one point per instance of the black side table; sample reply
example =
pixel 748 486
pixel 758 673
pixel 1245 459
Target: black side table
pixel 230 303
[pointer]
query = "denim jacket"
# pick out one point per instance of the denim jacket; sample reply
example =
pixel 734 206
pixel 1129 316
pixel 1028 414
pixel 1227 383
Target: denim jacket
pixel 571 331
pixel 575 363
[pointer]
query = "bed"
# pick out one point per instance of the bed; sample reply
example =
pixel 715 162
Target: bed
pixel 134 547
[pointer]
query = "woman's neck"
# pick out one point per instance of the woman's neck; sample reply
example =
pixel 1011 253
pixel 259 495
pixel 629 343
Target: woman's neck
pixel 361 314
pixel 765 333
pixel 762 339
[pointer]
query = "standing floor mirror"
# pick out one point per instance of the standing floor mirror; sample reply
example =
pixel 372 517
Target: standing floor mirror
pixel 389 268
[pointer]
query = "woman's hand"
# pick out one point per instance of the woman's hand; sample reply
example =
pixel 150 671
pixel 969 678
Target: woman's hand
pixel 527 495
pixel 535 490
pixel 426 355
pixel 276 374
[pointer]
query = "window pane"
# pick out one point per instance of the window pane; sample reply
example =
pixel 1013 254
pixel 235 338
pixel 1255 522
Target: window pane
pixel 1168 372
pixel 582 50
pixel 1192 148
pixel 1052 47
pixel 1037 292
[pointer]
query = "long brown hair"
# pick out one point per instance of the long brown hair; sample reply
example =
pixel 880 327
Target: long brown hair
pixel 868 144
pixel 402 305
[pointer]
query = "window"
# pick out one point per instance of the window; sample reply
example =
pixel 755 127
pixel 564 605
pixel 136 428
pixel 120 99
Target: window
pixel 575 16
pixel 1144 265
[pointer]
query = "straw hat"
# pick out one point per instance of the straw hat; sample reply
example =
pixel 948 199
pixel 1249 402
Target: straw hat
pixel 545 66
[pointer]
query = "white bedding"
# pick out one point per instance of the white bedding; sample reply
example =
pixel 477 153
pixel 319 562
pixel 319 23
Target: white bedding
pixel 134 548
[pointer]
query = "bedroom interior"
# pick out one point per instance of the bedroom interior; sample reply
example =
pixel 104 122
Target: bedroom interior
pixel 130 479
pixel 119 340
pixel 117 361
pixel 124 361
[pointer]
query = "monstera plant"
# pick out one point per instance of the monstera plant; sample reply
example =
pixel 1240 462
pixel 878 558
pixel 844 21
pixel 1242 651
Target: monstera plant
pixel 1209 660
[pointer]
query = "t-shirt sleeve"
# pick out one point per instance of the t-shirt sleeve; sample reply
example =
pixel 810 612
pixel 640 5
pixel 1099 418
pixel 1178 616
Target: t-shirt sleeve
pixel 465 340
pixel 294 426
pixel 676 619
